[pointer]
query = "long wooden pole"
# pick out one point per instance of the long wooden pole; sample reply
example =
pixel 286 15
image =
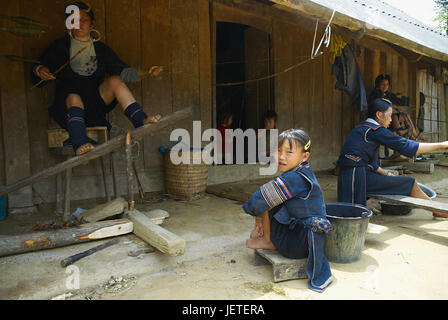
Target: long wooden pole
pixel 21 243
pixel 99 151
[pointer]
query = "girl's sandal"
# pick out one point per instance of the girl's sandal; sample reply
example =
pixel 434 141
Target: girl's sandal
pixel 153 119
pixel 85 148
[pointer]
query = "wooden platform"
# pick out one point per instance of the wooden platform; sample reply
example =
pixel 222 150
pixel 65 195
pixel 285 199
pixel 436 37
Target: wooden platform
pixel 414 202
pixel 283 268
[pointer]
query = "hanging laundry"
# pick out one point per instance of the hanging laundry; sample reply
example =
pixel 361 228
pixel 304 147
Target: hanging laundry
pixel 349 77
pixel 337 43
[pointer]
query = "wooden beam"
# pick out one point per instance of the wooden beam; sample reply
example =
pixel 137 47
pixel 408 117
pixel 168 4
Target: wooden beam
pixel 99 151
pixel 103 211
pixel 21 243
pixel 414 202
pixel 156 236
pixel 423 167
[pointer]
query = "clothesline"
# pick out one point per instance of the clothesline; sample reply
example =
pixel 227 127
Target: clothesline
pixel 269 76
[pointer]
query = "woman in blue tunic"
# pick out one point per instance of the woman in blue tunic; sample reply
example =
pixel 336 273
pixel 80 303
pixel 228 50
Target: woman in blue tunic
pixel 290 210
pixel 360 175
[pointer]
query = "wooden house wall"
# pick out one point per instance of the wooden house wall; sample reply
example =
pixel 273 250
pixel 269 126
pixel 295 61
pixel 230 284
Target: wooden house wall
pixel 179 34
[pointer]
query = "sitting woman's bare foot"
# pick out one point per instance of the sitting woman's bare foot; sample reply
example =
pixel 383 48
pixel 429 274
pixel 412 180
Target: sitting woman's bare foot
pixel 153 119
pixel 439 215
pixel 85 148
pixel 260 243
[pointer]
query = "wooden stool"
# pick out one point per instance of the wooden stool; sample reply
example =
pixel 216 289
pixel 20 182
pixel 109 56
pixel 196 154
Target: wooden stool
pixel 283 268
pixel 56 138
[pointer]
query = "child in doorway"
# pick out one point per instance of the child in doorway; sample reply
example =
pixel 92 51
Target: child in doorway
pixel 227 144
pixel 290 210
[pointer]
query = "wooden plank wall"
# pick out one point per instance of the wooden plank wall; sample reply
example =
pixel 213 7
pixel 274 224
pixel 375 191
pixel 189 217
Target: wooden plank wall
pixel 177 34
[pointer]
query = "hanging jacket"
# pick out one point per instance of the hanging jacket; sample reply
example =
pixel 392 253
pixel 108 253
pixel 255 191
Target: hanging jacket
pixel 349 77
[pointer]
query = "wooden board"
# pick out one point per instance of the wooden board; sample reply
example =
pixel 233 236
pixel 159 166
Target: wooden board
pixel 104 211
pixel 156 236
pixel 21 243
pixel 414 202
pixel 283 268
pixel 424 167
pixel 14 115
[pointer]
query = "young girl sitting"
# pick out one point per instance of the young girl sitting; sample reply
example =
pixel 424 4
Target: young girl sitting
pixel 290 210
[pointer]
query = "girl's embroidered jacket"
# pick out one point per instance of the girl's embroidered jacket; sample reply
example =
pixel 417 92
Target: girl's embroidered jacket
pixel 294 195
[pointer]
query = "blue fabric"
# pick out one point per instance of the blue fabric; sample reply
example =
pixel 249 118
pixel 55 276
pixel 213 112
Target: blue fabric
pixel 362 144
pixel 76 127
pixel 297 191
pixel 355 184
pixel 135 113
pixel 318 268
pixel 349 77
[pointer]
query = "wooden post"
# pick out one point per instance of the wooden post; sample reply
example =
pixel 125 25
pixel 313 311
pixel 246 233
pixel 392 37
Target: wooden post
pixel 103 169
pixel 129 172
pixel 114 174
pixel 68 182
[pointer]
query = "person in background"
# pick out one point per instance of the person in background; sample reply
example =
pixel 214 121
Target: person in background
pixel 360 175
pixel 92 83
pixel 227 142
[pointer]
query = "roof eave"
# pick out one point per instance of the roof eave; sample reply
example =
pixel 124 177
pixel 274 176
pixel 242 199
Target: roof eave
pixel 323 14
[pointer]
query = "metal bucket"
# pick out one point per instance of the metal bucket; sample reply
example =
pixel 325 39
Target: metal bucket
pixel 388 208
pixel 344 244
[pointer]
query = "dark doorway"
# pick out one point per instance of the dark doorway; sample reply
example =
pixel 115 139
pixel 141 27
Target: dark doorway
pixel 243 53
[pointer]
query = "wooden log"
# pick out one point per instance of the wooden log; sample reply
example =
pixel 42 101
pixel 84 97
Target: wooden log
pixel 423 167
pixel 21 243
pixel 99 151
pixel 156 236
pixel 103 211
pixel 430 205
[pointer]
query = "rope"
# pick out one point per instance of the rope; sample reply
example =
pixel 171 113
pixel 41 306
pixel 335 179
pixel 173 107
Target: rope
pixel 266 77
pixel 325 38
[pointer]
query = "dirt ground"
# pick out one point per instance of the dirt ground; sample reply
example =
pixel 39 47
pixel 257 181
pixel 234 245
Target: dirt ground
pixel 409 261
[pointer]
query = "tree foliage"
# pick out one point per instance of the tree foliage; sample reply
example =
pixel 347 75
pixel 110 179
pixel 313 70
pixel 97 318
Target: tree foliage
pixel 442 15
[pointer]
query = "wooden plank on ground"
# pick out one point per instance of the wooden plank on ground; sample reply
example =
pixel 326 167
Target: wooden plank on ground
pixel 156 236
pixel 103 211
pixel 423 167
pixel 283 268
pixel 414 202
pixel 21 243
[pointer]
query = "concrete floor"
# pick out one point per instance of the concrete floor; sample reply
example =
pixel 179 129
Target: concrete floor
pixel 407 262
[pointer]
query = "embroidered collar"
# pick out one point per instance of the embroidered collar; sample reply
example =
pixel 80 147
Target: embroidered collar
pixel 372 121
pixel 301 166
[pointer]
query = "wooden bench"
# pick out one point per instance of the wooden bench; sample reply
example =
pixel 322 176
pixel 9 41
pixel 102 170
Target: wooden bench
pixel 56 139
pixel 283 268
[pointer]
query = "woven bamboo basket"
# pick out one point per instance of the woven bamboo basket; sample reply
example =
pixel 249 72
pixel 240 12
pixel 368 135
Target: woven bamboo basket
pixel 185 181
